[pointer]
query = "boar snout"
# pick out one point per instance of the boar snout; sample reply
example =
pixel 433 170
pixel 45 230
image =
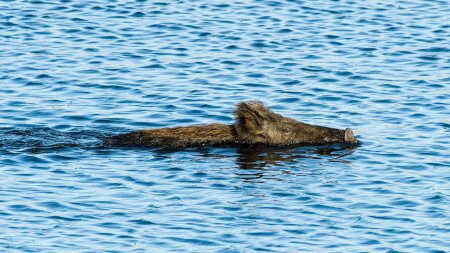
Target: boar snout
pixel 349 136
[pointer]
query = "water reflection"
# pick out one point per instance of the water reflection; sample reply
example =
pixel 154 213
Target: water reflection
pixel 260 158
pixel 264 163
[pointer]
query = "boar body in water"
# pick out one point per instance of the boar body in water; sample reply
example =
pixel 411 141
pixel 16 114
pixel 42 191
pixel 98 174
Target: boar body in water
pixel 255 125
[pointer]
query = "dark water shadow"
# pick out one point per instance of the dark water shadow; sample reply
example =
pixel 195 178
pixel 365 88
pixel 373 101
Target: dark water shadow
pixel 256 164
pixel 262 158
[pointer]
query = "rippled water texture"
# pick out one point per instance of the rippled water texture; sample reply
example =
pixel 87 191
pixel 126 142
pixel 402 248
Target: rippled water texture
pixel 72 72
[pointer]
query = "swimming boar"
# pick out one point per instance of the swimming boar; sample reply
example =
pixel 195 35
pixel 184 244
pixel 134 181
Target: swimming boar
pixel 255 125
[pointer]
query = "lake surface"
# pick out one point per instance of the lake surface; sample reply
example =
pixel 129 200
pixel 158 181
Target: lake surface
pixel 72 72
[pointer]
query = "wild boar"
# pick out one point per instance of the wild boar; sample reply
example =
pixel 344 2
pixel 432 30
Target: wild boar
pixel 255 126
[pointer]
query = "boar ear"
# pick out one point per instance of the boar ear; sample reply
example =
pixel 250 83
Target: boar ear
pixel 250 117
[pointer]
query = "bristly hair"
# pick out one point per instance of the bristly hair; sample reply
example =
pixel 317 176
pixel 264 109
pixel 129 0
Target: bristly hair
pixel 252 118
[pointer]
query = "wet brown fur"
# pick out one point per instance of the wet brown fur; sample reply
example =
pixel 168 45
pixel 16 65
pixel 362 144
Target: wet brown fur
pixel 255 125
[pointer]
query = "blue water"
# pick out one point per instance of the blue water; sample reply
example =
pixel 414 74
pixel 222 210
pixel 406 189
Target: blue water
pixel 74 71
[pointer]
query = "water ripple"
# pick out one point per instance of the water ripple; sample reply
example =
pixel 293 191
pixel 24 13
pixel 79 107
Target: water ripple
pixel 75 72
